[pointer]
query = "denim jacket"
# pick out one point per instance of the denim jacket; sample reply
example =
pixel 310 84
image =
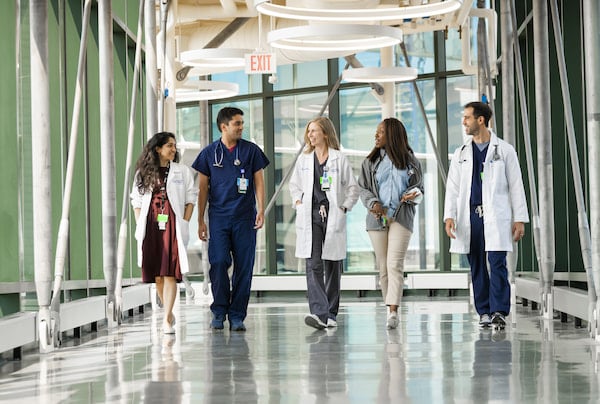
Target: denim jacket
pixel 369 192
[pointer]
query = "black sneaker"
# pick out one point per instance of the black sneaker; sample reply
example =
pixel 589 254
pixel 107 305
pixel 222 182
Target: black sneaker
pixel 498 320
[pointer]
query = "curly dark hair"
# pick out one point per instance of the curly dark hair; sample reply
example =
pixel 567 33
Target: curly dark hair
pixel 397 149
pixel 148 163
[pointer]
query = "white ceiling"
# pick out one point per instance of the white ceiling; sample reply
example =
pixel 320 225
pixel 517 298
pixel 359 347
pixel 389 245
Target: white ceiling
pixel 196 23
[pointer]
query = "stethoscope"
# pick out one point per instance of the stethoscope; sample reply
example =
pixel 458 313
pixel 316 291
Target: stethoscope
pixel 495 156
pixel 219 162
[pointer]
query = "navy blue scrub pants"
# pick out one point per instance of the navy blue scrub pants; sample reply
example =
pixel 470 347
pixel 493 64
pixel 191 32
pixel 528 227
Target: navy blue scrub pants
pixel 491 290
pixel 323 277
pixel 231 239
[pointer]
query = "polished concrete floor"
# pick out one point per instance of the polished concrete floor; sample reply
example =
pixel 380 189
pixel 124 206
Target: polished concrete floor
pixel 437 355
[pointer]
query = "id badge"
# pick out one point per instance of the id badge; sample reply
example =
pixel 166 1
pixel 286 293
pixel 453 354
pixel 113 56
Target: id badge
pixel 242 184
pixel 162 220
pixel 325 183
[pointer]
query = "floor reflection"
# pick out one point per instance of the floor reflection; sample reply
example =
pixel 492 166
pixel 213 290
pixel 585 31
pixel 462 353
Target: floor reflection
pixel 230 370
pixel 492 366
pixel 392 385
pixel 326 364
pixel 166 385
pixel 437 355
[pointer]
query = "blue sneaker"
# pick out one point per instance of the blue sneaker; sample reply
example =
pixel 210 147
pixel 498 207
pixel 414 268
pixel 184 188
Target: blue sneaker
pixel 236 325
pixel 217 322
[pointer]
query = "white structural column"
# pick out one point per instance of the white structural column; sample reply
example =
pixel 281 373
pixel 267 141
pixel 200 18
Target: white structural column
pixel 107 157
pixel 152 87
pixel 166 58
pixel 388 107
pixel 169 70
pixel 508 119
pixel 544 153
pixel 40 167
pixel 591 16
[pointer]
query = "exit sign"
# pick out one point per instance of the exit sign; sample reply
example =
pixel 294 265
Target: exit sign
pixel 259 63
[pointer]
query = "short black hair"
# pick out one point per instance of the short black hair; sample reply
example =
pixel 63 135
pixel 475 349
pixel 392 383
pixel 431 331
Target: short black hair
pixel 481 109
pixel 226 114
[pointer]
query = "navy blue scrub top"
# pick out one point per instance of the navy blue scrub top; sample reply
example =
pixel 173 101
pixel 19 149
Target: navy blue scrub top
pixel 479 153
pixel 223 196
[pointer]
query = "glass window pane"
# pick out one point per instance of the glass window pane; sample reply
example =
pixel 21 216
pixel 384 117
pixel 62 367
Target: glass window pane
pixel 309 74
pixel 249 83
pixel 460 90
pixel 418 46
pixel 360 113
pixel 453 50
pixel 188 120
pixel 291 114
pixel 420 50
pixel 423 250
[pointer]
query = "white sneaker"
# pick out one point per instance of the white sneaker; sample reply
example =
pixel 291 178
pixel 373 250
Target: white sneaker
pixel 331 323
pixel 484 321
pixel 312 320
pixel 392 320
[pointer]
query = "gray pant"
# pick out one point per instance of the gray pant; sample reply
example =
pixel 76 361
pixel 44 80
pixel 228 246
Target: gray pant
pixel 323 277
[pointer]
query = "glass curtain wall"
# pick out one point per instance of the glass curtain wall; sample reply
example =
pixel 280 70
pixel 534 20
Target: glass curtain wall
pixel 299 94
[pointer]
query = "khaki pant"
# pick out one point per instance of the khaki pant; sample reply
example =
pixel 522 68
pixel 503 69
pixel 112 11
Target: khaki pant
pixel 390 247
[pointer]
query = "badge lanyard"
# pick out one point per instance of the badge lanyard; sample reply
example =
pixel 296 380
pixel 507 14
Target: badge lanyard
pixel 162 218
pixel 242 182
pixel 325 180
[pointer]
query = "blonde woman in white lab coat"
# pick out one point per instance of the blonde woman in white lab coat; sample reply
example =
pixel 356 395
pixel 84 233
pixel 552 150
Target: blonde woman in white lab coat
pixel 323 189
pixel 163 197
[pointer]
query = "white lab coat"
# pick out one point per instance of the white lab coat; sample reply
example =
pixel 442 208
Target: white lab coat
pixel 503 196
pixel 344 192
pixel 180 191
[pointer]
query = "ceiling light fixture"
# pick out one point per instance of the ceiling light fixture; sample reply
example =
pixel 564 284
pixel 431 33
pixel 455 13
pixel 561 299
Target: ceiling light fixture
pixel 339 37
pixel 214 57
pixel 380 74
pixel 202 90
pixel 357 14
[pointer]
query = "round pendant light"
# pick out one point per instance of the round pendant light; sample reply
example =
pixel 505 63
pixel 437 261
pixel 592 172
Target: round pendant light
pixel 201 90
pixel 214 57
pixel 380 74
pixel 364 14
pixel 336 37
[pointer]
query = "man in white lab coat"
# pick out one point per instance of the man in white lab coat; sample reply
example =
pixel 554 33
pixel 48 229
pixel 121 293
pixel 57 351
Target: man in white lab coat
pixel 485 210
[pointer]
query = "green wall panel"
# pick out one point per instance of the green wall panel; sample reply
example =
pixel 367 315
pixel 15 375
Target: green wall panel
pixel 9 236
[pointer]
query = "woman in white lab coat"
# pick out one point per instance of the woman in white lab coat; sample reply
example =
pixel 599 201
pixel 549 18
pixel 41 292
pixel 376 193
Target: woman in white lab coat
pixel 163 197
pixel 323 189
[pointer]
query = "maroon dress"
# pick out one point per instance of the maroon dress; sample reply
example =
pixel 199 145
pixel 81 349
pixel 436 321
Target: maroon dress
pixel 160 256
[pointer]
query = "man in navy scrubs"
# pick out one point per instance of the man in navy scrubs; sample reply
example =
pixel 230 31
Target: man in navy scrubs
pixel 231 180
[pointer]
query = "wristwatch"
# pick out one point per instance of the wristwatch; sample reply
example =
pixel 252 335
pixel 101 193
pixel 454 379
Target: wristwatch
pixel 344 209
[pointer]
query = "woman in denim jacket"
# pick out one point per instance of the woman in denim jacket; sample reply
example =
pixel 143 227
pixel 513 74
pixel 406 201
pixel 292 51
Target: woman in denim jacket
pixel 391 183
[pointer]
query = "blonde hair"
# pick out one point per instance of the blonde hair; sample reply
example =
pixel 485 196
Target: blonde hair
pixel 328 130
